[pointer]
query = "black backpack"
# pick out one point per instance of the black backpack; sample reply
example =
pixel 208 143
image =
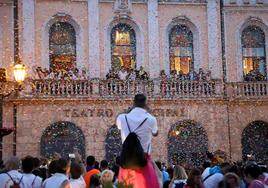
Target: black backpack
pixel 179 185
pixel 15 184
pixel 132 154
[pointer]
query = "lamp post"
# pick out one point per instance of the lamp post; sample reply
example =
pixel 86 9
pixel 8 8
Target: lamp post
pixel 19 74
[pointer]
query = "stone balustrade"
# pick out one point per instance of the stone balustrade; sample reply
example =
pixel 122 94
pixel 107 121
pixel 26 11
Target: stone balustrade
pixel 244 2
pixel 165 89
pixel 62 88
pixel 245 90
pixel 191 89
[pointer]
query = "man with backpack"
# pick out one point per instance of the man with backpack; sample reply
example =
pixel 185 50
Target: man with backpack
pixel 29 179
pixel 212 176
pixel 137 128
pixel 12 177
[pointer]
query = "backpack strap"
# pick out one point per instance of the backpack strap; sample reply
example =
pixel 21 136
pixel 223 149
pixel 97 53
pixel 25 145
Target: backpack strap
pixel 207 177
pixel 140 124
pixel 34 181
pixel 127 124
pixel 137 127
pixel 13 179
pixel 10 176
pixel 20 179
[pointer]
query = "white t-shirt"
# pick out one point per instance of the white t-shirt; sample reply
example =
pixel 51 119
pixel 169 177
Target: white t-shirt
pixel 213 181
pixel 123 75
pixel 55 181
pixel 78 183
pixel 178 182
pixel 6 182
pixel 135 118
pixel 31 181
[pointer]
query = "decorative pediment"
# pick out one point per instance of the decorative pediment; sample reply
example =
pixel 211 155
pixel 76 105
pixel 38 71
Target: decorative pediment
pixel 180 18
pixel 122 7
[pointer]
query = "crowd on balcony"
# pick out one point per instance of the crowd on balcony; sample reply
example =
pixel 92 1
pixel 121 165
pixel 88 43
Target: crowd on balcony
pixel 201 75
pixel 54 74
pixel 254 75
pixel 122 74
pixel 128 74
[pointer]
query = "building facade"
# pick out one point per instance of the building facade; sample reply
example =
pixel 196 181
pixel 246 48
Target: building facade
pixel 223 41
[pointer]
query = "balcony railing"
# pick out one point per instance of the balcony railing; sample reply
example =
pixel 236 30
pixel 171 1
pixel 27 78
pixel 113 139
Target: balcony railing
pixel 153 88
pixel 191 89
pixel 110 88
pixel 62 87
pixel 248 90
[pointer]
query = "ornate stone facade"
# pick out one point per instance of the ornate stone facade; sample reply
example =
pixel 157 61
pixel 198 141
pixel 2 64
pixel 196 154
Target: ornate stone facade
pixel 223 109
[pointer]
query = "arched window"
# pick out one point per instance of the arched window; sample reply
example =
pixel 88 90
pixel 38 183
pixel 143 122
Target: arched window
pixel 64 138
pixel 123 47
pixel 62 46
pixel 181 49
pixel 187 143
pixel 254 62
pixel 255 142
pixel 113 143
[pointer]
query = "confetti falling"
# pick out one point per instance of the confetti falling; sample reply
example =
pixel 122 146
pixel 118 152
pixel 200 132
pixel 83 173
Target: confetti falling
pixel 63 66
pixel 63 138
pixel 187 144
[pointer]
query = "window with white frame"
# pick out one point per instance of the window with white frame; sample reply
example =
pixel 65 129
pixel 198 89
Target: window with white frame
pixel 253 51
pixel 181 49
pixel 62 46
pixel 123 47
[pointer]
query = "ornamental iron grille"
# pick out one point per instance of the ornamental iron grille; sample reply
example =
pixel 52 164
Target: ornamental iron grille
pixel 64 138
pixel 187 143
pixel 123 47
pixel 113 143
pixel 255 141
pixel 181 49
pixel 254 57
pixel 62 46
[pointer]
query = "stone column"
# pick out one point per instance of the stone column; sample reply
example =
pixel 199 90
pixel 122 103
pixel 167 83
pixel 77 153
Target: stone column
pixel 28 35
pixel 153 38
pixel 214 38
pixel 93 38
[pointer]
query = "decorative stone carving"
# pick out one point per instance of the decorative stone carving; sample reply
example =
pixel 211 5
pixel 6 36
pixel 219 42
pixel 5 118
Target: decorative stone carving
pixel 180 18
pixel 122 7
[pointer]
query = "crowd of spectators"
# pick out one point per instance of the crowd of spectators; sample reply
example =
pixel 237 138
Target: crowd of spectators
pixel 122 74
pixel 201 75
pixel 54 74
pixel 31 172
pixel 128 74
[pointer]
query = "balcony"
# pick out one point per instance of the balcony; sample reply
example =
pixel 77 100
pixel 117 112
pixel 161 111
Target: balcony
pixel 247 90
pixel 157 89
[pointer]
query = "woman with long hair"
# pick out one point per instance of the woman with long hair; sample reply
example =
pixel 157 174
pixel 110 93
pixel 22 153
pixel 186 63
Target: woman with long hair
pixel 179 177
pixel 194 179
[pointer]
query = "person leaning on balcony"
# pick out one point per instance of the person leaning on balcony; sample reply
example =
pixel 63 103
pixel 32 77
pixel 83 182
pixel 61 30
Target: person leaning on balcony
pixel 163 75
pixel 84 75
pixel 191 75
pixel 201 75
pixel 123 74
pixel 173 75
pixel 132 75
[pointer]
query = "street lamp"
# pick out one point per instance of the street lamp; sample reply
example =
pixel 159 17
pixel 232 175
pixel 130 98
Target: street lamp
pixel 19 74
